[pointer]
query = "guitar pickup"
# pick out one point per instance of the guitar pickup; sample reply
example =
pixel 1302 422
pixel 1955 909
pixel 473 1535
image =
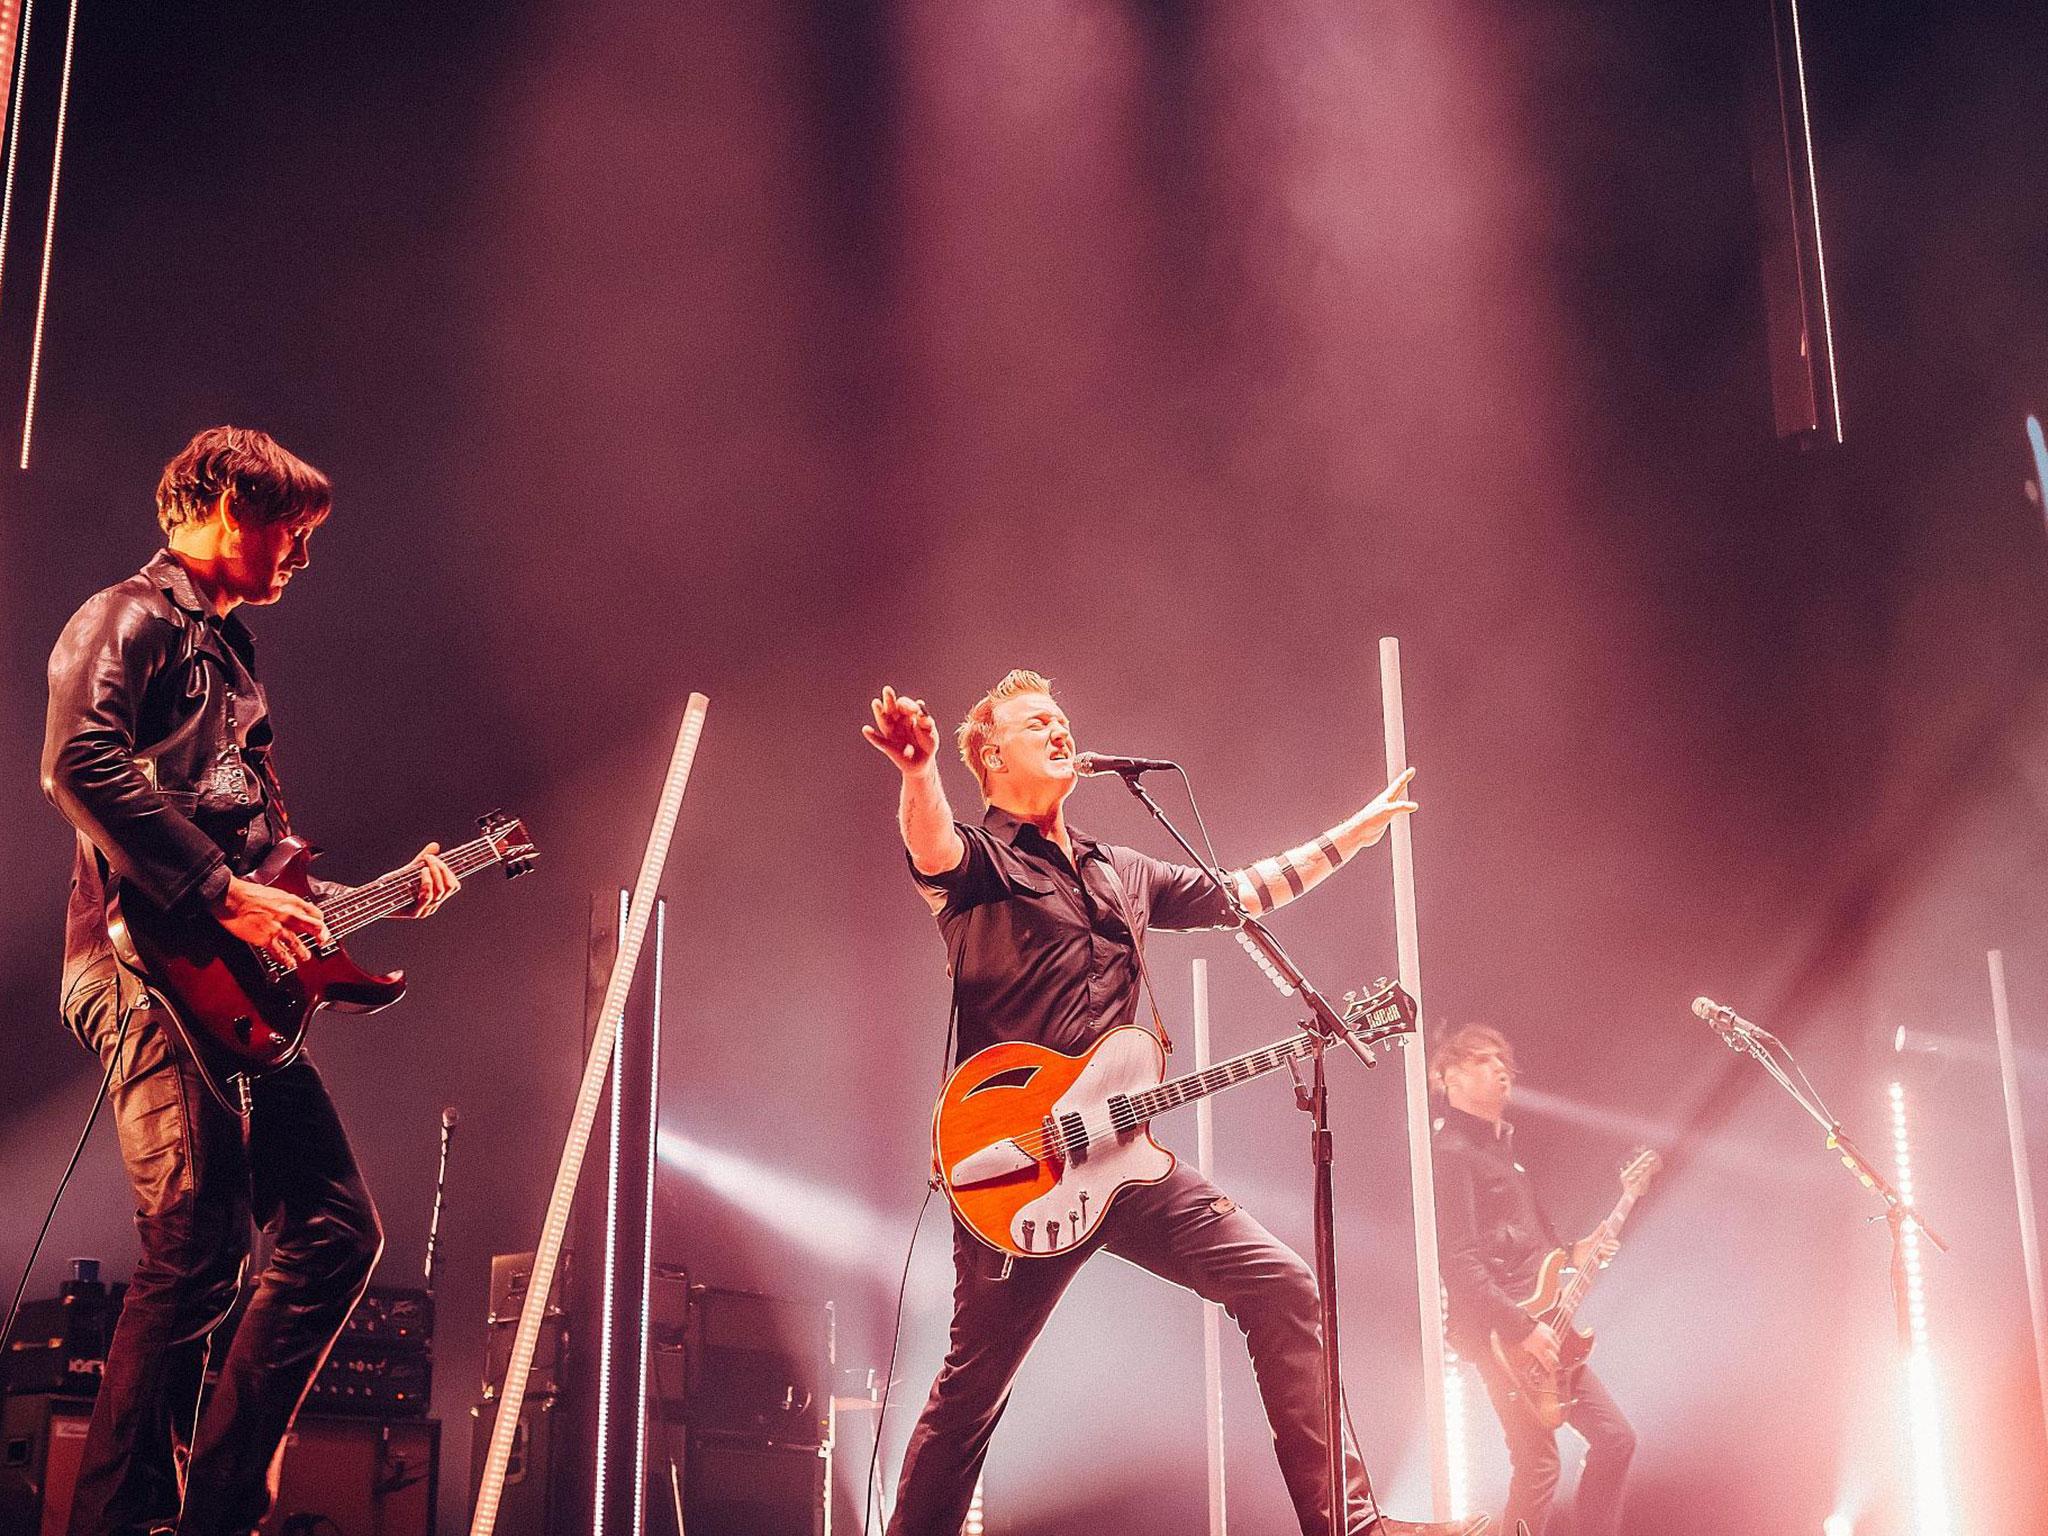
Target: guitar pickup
pixel 992 1162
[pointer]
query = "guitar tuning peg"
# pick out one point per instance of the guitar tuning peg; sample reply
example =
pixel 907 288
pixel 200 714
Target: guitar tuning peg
pixel 1351 997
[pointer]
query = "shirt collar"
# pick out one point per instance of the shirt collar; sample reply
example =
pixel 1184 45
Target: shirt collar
pixel 1010 828
pixel 170 575
pixel 1477 1127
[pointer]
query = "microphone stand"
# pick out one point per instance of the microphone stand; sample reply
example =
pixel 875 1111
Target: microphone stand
pixel 1758 1045
pixel 1325 1024
pixel 448 1121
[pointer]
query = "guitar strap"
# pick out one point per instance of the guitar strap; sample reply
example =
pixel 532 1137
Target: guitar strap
pixel 1123 902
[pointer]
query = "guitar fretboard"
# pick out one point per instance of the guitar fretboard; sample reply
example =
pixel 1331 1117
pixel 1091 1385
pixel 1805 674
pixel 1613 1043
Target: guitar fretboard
pixel 393 893
pixel 1128 1111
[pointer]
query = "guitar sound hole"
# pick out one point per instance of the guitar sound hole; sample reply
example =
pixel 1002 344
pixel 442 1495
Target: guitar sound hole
pixel 1011 1077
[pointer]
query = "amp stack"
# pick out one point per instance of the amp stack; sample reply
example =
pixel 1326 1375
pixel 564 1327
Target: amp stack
pixel 738 1417
pixel 363 1459
pixel 756 1412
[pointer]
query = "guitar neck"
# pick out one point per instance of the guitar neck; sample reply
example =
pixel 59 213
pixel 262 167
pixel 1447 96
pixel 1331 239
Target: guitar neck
pixel 394 893
pixel 1225 1074
pixel 1582 1282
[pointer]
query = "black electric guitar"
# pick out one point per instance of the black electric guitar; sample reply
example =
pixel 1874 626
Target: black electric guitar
pixel 243 1011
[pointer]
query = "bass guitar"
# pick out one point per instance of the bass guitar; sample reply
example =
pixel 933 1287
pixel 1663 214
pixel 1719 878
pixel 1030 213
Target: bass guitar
pixel 1560 1286
pixel 1031 1145
pixel 243 1011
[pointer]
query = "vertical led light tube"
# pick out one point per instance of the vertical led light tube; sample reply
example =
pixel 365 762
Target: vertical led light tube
pixel 1923 1396
pixel 606 1332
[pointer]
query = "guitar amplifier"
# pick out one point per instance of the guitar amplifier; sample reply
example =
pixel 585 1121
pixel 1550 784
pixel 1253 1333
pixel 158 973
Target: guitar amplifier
pixel 42 1443
pixel 758 1368
pixel 60 1342
pixel 340 1477
pixel 754 1490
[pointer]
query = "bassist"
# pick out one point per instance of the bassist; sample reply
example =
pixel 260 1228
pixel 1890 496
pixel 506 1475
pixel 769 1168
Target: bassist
pixel 1492 1237
pixel 158 751
pixel 1042 926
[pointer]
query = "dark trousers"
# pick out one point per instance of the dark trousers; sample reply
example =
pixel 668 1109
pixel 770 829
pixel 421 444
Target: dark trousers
pixel 1532 1451
pixel 1182 1229
pixel 198 1186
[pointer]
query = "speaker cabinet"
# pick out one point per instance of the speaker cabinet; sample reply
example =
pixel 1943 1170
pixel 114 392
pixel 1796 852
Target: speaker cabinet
pixel 41 1442
pixel 738 1489
pixel 358 1477
pixel 341 1477
pixel 533 1474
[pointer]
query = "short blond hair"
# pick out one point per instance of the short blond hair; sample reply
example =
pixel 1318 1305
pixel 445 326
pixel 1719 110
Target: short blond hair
pixel 979 728
pixel 1468 1044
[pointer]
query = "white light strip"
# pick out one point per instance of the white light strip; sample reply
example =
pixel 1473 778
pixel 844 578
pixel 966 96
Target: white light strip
pixel 35 350
pixel 20 89
pixel 643 1343
pixel 1923 1392
pixel 1457 1451
pixel 611 1260
pixel 1820 256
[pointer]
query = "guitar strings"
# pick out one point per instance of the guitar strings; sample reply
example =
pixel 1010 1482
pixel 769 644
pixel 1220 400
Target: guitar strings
pixel 395 891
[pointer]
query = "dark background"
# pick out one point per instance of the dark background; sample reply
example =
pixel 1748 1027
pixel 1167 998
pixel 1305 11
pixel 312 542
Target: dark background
pixel 1181 351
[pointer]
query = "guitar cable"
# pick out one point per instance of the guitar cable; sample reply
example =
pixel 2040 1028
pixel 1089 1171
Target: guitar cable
pixel 85 1134
pixel 869 1489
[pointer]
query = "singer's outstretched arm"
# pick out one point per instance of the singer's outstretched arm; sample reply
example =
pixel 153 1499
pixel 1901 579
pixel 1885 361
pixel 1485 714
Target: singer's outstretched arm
pixel 1278 880
pixel 906 734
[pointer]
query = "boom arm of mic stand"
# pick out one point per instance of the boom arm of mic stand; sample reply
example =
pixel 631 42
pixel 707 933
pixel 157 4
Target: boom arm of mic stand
pixel 1323 1018
pixel 1757 1046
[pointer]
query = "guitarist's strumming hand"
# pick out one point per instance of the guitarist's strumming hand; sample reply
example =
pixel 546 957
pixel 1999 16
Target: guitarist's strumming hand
pixel 1542 1345
pixel 274 921
pixel 437 882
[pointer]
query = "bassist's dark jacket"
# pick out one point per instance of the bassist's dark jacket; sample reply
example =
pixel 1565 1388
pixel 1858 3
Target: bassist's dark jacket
pixel 1492 1233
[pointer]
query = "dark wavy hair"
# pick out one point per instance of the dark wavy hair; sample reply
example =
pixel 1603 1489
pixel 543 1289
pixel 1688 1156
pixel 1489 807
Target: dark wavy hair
pixel 269 483
pixel 1465 1044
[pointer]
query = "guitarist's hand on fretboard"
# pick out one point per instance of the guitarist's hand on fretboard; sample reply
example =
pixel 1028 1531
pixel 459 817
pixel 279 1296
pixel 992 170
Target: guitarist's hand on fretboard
pixel 437 882
pixel 1594 1252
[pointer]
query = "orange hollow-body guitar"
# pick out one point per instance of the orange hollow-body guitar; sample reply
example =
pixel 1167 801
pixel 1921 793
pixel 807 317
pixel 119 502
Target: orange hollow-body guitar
pixel 1560 1286
pixel 1032 1145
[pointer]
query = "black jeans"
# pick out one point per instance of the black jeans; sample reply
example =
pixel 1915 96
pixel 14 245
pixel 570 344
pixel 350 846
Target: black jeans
pixel 1182 1229
pixel 1532 1451
pixel 197 1187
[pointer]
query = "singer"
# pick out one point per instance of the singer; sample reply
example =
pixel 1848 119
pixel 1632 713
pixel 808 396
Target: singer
pixel 1044 930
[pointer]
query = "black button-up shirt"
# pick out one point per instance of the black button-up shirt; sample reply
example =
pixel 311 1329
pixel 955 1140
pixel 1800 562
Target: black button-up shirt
pixel 1491 1230
pixel 1043 950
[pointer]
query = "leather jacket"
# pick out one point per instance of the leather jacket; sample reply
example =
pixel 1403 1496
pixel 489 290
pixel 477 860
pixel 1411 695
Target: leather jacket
pixel 156 748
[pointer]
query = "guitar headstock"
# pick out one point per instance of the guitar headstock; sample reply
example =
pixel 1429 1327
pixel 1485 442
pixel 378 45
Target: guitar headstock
pixel 510 842
pixel 1641 1167
pixel 1384 1016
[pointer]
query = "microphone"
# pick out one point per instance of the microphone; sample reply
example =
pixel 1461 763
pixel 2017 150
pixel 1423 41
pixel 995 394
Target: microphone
pixel 1731 1026
pixel 1103 762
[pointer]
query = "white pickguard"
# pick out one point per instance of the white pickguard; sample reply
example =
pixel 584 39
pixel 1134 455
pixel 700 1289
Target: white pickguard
pixel 1127 1061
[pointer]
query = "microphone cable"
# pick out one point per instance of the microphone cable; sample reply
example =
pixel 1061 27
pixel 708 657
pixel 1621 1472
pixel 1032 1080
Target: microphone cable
pixel 64 1180
pixel 869 1490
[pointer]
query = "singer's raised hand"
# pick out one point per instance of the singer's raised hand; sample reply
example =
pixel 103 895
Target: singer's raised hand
pixel 904 730
pixel 1388 803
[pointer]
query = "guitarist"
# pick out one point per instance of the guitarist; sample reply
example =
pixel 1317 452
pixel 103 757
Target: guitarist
pixel 1042 926
pixel 1492 1237
pixel 158 751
